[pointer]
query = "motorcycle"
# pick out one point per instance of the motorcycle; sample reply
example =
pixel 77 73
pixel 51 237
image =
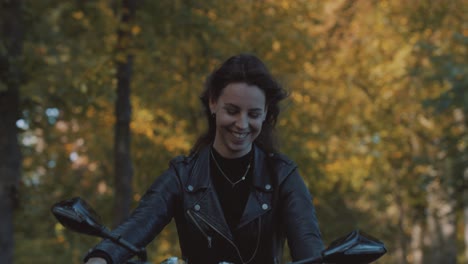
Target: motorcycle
pixel 75 214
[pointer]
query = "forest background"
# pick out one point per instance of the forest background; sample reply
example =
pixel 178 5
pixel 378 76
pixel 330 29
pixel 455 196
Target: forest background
pixel 376 118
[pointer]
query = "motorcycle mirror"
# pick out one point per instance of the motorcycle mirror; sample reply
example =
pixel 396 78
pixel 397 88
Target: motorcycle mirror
pixel 356 247
pixel 77 215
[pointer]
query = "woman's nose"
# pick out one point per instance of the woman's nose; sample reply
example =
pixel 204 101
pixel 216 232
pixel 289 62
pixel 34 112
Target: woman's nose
pixel 242 122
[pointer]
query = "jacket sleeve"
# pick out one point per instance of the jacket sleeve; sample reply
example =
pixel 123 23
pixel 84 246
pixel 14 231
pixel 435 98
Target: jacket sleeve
pixel 301 224
pixel 154 211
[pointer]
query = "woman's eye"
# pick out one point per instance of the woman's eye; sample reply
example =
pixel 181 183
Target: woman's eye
pixel 255 115
pixel 231 111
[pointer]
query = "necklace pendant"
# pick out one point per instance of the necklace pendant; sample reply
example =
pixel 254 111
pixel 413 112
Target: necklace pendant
pixel 233 184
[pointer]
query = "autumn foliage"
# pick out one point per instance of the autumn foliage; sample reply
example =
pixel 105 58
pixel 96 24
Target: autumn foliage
pixel 376 118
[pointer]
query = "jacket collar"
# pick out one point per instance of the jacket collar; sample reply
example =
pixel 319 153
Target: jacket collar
pixel 258 203
pixel 199 177
pixel 261 178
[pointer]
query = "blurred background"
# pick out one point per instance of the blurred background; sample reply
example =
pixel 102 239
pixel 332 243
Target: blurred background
pixel 96 97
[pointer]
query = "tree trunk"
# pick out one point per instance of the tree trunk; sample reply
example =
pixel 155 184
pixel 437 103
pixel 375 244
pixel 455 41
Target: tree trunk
pixel 465 214
pixel 10 155
pixel 441 236
pixel 416 243
pixel 122 158
pixel 403 250
pixel 462 168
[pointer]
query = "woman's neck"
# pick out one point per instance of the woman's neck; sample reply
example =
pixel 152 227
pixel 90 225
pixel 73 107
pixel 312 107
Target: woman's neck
pixel 230 155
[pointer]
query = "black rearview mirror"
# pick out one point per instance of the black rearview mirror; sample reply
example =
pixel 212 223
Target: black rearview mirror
pixel 77 215
pixel 356 247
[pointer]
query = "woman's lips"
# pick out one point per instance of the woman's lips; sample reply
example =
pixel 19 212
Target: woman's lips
pixel 239 135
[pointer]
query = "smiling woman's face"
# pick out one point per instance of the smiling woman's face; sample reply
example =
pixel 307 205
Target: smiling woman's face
pixel 240 111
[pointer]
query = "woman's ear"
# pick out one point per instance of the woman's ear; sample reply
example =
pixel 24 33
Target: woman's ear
pixel 213 105
pixel 265 113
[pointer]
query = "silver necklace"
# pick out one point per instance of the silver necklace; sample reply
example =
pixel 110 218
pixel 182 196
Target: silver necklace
pixel 225 176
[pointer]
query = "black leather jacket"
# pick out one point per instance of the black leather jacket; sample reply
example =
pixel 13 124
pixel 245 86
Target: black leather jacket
pixel 279 207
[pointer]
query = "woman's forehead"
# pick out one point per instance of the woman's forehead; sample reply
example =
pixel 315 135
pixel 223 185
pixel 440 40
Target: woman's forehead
pixel 243 94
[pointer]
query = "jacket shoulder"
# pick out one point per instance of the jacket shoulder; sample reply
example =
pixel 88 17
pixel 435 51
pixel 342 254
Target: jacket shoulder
pixel 281 159
pixel 181 160
pixel 281 165
pixel 182 164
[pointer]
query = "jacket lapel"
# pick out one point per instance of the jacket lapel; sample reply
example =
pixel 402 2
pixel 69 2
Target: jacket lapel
pixel 203 201
pixel 260 198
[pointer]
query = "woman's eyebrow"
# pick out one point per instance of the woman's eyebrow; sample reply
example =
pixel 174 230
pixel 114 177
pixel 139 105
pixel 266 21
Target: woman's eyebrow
pixel 237 107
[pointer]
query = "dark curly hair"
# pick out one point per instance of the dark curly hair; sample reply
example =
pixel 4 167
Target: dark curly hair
pixel 243 68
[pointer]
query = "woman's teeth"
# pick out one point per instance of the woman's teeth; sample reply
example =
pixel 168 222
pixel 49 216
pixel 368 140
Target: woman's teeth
pixel 239 135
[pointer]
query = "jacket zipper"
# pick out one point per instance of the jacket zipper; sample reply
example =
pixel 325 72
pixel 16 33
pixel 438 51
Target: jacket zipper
pixel 231 242
pixel 208 238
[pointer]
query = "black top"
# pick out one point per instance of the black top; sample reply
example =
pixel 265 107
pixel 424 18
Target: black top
pixel 233 197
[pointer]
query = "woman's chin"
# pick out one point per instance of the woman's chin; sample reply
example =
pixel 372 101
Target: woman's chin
pixel 240 149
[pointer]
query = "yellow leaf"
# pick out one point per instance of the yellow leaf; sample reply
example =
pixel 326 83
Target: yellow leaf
pixel 276 46
pixel 78 15
pixel 136 30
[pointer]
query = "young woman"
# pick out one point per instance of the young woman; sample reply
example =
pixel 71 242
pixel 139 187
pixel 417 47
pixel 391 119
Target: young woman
pixel 234 198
